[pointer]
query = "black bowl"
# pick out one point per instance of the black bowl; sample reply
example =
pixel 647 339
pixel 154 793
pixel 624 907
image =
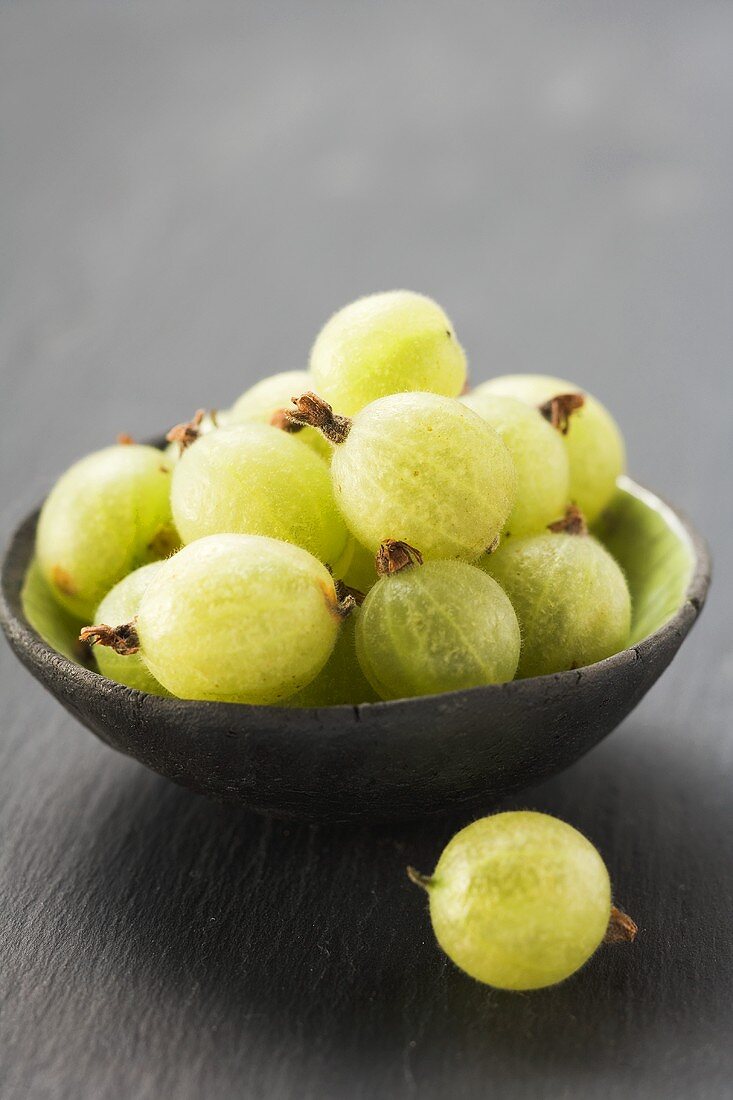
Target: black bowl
pixel 379 761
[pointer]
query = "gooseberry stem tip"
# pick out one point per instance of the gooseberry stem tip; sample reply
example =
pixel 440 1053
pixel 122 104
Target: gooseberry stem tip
pixel 311 411
pixel 621 928
pixel 122 639
pixel 424 881
pixel 394 555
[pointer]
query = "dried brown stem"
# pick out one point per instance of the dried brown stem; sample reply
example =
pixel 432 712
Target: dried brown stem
pixel 339 599
pixel 572 523
pixel 187 433
pixel 345 591
pixel 621 928
pixel 423 881
pixel 281 419
pixel 560 408
pixel 394 556
pixel 312 411
pixel 122 639
pixel 345 604
pixel 125 440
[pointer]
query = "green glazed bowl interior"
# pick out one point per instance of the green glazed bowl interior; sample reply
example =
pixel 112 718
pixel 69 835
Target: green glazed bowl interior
pixel 655 551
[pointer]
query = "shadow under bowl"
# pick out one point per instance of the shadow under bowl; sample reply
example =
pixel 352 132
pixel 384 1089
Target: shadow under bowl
pixel 397 760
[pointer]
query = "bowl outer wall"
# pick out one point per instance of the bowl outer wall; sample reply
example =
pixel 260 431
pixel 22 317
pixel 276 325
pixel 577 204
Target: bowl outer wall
pixel 374 762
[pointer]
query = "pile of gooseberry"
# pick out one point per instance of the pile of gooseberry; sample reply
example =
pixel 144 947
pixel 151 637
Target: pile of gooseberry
pixel 371 529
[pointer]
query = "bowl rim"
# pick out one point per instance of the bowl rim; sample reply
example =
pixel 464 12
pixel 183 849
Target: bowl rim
pixel 23 637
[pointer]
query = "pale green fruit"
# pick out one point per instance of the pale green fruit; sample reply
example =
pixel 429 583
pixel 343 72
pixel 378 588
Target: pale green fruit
pixel 424 470
pixel 257 480
pixel 594 443
pixel 341 679
pixel 539 455
pixel 356 567
pixel 108 514
pixel 119 606
pixel 436 627
pixel 570 596
pixel 270 396
pixel 239 619
pixel 395 342
pixel 519 900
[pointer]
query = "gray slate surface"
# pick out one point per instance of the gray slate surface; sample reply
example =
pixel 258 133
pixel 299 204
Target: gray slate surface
pixel 187 191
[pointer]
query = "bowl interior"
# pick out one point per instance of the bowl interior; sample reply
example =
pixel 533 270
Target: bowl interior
pixel 644 535
pixel 655 551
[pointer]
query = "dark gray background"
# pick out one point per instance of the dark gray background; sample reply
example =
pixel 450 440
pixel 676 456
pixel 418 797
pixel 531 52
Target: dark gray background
pixel 186 192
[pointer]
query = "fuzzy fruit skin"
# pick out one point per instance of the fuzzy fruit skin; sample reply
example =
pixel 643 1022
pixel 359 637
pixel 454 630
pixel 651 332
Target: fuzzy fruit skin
pixel 520 900
pixel 271 394
pixel 341 679
pixel 595 446
pixel 119 606
pixel 425 470
pixel 238 619
pixel 539 455
pixel 436 627
pixel 393 342
pixel 570 596
pixel 107 515
pixel 257 480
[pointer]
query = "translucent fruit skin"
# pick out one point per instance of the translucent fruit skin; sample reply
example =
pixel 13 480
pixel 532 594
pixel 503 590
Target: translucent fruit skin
pixel 539 455
pixel 276 392
pixel 520 900
pixel 341 679
pixel 394 342
pixel 239 619
pixel 436 627
pixel 425 470
pixel 356 566
pixel 570 596
pixel 108 514
pixel 594 443
pixel 119 606
pixel 254 479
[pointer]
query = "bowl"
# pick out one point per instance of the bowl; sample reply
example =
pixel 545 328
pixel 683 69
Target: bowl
pixel 402 759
